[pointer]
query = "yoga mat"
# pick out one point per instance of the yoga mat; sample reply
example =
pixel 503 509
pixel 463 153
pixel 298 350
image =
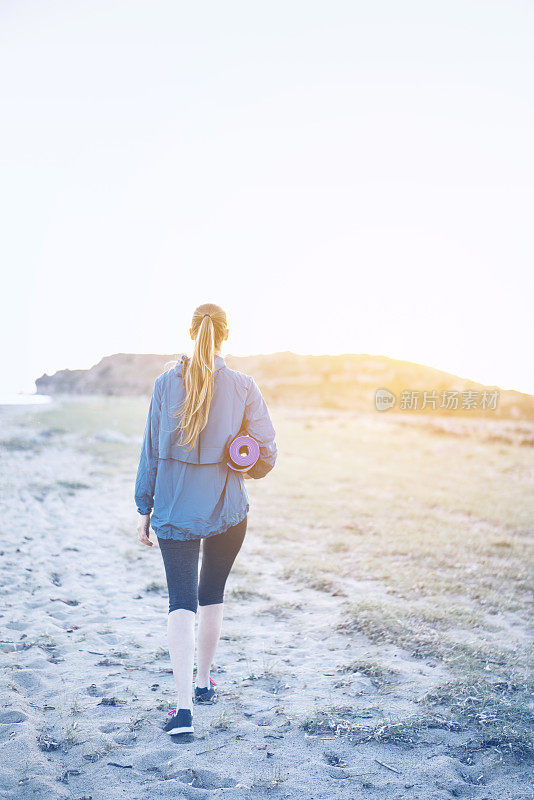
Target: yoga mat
pixel 240 462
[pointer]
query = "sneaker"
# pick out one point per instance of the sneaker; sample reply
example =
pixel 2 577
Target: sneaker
pixel 181 721
pixel 207 694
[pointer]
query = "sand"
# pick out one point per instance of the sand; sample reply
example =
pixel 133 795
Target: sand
pixel 86 678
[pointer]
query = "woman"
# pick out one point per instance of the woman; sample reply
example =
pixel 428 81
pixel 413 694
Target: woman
pixel 186 492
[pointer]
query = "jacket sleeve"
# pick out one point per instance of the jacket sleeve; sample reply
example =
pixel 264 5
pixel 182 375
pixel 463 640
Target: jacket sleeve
pixel 148 461
pixel 257 423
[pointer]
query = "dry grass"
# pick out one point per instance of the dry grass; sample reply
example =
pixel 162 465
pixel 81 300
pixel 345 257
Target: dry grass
pixel 377 672
pixel 426 532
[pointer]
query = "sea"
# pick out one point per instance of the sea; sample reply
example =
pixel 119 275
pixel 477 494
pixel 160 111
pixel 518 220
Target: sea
pixel 22 399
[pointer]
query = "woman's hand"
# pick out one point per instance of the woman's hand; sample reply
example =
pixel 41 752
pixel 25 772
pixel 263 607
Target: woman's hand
pixel 143 530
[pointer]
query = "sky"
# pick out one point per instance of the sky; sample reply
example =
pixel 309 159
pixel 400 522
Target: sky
pixel 342 177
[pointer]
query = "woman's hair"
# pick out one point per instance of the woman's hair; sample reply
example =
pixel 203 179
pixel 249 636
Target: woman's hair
pixel 208 329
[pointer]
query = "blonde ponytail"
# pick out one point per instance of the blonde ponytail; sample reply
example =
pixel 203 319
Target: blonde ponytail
pixel 208 329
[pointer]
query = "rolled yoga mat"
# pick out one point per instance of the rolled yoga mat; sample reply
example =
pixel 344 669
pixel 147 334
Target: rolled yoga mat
pixel 244 451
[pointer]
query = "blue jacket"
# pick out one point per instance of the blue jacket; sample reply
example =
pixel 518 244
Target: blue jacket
pixel 194 494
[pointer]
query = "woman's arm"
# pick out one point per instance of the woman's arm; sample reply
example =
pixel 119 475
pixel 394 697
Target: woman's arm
pixel 257 422
pixel 148 461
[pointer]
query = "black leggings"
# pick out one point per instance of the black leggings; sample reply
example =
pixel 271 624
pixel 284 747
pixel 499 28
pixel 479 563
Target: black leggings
pixel 180 558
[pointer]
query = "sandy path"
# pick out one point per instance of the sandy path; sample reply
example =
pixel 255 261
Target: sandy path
pixel 86 679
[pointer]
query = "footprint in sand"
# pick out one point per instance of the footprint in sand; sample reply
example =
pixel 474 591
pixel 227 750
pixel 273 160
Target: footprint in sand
pixel 199 778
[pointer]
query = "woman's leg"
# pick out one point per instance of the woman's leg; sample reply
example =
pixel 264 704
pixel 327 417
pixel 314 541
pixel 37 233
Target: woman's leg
pixel 180 559
pixel 210 619
pixel 181 641
pixel 218 555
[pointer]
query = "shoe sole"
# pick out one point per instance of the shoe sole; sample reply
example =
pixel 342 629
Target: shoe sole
pixel 186 729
